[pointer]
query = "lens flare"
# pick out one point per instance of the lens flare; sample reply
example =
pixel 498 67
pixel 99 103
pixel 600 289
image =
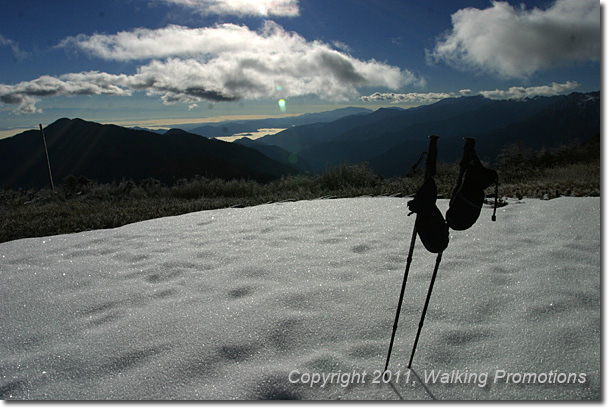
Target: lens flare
pixel 282 104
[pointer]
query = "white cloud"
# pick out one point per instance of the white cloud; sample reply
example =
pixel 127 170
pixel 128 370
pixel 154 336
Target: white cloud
pixel 222 63
pixel 339 45
pixel 27 93
pixel 518 93
pixel 395 98
pixel 513 93
pixel 14 46
pixel 516 42
pixel 170 41
pixel 263 8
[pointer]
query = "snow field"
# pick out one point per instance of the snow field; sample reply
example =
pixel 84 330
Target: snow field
pixel 225 304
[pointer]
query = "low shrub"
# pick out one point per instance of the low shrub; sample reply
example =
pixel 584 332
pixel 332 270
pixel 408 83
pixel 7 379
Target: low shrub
pixel 80 204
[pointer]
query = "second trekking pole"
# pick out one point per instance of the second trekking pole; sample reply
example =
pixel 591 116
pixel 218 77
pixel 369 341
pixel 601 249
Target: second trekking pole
pixel 423 313
pixel 429 173
pixel 468 153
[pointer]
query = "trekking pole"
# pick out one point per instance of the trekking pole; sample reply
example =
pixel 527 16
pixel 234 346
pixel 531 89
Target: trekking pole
pixel 468 151
pixel 423 313
pixel 430 172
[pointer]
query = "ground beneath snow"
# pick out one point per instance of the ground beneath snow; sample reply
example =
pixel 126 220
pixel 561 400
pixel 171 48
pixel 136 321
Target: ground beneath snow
pixel 253 303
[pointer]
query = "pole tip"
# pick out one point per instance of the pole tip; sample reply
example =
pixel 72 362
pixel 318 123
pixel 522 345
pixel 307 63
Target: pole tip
pixel 469 142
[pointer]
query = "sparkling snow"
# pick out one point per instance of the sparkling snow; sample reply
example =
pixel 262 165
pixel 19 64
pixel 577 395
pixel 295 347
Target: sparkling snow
pixel 252 303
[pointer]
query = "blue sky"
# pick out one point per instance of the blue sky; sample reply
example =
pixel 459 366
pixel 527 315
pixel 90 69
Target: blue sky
pixel 162 62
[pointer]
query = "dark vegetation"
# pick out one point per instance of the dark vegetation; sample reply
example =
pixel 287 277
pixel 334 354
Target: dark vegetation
pixel 81 204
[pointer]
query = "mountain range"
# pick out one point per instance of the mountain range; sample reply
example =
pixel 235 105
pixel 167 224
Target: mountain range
pixel 390 140
pixel 107 153
pixel 229 128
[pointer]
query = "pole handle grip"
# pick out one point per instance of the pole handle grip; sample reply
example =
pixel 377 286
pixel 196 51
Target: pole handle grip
pixel 431 158
pixel 468 151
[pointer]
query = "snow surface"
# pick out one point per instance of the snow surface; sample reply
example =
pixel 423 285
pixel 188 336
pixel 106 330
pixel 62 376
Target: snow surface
pixel 241 303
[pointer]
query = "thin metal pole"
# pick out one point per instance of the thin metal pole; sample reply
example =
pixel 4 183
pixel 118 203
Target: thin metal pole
pixel 430 172
pixel 423 313
pixel 46 152
pixel 402 295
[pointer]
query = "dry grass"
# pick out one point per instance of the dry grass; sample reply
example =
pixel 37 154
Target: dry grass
pixel 80 205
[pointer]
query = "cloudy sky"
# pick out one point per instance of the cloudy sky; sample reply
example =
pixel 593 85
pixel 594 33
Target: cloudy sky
pixel 157 62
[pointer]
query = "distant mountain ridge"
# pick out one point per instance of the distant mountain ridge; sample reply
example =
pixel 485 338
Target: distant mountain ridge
pixel 108 152
pixel 229 128
pixel 392 140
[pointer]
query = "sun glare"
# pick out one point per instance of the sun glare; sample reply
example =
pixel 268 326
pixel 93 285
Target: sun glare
pixel 262 10
pixel 282 104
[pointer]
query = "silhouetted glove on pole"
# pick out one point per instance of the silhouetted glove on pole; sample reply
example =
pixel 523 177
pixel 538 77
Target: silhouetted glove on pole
pixel 430 224
pixel 469 193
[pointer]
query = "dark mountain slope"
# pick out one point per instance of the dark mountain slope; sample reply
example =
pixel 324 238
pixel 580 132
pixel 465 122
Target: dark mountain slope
pixel 567 119
pixel 364 127
pixel 297 139
pixel 437 112
pixel 455 117
pixel 108 152
pixel 277 154
pixel 574 118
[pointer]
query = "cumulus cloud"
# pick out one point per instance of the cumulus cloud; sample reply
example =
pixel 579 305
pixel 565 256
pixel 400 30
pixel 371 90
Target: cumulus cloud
pixel 226 62
pixel 513 93
pixel 517 42
pixel 394 98
pixel 264 8
pixel 518 93
pixel 27 93
pixel 173 41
